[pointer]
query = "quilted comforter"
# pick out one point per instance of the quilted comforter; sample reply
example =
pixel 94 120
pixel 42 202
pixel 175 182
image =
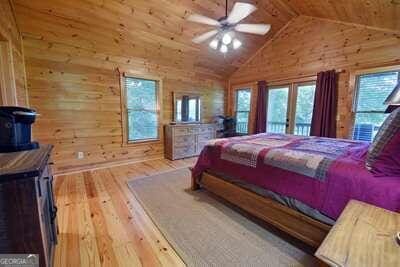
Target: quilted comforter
pixel 323 173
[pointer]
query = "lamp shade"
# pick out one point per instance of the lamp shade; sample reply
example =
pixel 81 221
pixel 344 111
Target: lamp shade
pixel 393 100
pixel 394 97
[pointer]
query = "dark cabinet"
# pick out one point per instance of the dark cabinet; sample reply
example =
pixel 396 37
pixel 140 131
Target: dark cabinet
pixel 28 214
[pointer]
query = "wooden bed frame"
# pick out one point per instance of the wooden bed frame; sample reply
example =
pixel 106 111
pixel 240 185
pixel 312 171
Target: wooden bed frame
pixel 296 224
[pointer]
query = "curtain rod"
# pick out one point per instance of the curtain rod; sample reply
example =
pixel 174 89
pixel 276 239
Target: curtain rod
pixel 303 77
pixel 290 79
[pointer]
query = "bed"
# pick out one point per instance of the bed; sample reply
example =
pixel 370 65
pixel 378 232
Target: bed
pixel 298 184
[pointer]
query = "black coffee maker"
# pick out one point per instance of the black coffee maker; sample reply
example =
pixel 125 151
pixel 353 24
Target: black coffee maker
pixel 15 129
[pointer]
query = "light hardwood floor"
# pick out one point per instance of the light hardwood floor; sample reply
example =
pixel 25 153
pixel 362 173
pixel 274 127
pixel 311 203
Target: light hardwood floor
pixel 102 224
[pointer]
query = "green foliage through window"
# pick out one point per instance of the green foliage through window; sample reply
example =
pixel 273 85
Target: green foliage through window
pixel 141 103
pixel 277 109
pixel 243 99
pixel 296 97
pixel 372 90
pixel 304 109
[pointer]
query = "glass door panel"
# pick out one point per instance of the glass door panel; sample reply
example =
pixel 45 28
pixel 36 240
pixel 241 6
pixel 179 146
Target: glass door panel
pixel 277 113
pixel 304 108
pixel 243 102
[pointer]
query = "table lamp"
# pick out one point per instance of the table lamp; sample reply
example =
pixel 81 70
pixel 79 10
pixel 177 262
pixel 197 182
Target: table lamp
pixel 393 100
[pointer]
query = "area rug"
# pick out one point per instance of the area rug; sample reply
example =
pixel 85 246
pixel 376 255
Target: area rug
pixel 206 232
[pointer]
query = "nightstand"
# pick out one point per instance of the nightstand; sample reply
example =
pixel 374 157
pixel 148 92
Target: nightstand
pixel 364 235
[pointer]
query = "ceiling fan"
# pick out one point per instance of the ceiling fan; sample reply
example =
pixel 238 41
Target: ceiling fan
pixel 224 34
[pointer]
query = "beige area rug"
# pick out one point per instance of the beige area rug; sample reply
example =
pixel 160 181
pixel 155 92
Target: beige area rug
pixel 205 232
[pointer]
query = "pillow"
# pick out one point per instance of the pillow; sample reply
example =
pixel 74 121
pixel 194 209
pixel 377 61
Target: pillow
pixel 383 156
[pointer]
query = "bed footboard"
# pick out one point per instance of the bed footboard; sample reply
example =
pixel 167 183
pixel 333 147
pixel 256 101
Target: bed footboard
pixel 296 224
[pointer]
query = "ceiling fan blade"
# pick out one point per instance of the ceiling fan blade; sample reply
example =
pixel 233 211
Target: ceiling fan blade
pixel 260 29
pixel 203 19
pixel 240 11
pixel 203 37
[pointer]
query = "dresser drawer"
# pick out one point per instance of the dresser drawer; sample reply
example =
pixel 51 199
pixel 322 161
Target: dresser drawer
pixel 182 131
pixel 206 129
pixel 187 140
pixel 184 140
pixel 182 152
pixel 204 137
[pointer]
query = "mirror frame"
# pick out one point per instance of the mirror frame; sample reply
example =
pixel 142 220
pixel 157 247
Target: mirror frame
pixel 178 94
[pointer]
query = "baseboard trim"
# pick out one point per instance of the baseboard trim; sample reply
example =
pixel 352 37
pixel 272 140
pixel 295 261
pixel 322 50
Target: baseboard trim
pixel 96 166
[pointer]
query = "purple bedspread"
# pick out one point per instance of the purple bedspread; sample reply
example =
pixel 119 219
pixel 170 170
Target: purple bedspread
pixel 323 173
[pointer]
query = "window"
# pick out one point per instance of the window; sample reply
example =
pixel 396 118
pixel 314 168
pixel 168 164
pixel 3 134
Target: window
pixel 290 108
pixel 142 109
pixel 243 99
pixel 277 112
pixel 304 108
pixel 371 91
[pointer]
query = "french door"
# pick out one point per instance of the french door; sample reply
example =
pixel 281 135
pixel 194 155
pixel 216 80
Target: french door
pixel 290 107
pixel 242 110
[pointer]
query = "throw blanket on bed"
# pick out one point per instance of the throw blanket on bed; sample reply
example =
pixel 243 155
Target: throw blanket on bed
pixel 323 173
pixel 309 156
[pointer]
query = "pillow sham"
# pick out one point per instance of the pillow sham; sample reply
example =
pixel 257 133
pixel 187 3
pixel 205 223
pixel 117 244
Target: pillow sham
pixel 383 156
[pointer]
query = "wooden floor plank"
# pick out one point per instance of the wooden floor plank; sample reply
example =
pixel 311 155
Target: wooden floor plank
pixel 101 223
pixel 160 246
pixel 103 237
pixel 89 253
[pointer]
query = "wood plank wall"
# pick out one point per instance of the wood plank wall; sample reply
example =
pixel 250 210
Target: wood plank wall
pixel 73 81
pixel 309 45
pixel 9 30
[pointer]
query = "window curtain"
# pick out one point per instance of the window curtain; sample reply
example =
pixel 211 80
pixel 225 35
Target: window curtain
pixel 323 121
pixel 261 108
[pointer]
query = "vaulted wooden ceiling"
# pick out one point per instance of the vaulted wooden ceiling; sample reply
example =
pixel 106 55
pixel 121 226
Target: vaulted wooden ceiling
pixel 375 13
pixel 156 30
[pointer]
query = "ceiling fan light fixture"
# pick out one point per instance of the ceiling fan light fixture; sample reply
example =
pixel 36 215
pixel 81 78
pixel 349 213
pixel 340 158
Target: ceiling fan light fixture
pixel 226 39
pixel 214 44
pixel 223 49
pixel 223 37
pixel 236 43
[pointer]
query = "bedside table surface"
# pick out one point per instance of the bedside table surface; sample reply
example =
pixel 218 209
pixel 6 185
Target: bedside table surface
pixel 364 235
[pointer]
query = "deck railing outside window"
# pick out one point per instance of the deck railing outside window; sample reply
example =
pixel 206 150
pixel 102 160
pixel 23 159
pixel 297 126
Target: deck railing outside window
pixel 364 132
pixel 280 127
pixel 242 127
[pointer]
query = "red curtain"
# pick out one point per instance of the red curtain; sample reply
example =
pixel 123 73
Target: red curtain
pixel 323 121
pixel 261 108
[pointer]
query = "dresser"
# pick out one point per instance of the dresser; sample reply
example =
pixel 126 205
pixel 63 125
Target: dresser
pixel 28 222
pixel 187 140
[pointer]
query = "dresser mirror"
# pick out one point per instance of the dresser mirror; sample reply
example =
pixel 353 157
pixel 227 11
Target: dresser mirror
pixel 187 107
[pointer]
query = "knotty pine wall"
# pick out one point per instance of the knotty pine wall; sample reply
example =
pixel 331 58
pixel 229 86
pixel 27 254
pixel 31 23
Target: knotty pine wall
pixel 73 83
pixel 78 97
pixel 308 45
pixel 10 32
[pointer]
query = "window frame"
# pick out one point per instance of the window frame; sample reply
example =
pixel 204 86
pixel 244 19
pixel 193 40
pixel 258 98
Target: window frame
pixel 354 86
pixel 124 109
pixel 288 111
pixel 176 95
pixel 248 89
pixel 293 86
pixel 295 89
